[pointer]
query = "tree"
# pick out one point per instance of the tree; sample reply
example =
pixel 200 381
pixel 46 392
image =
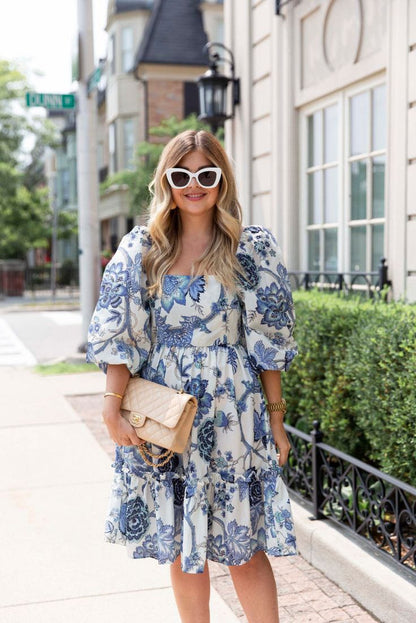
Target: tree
pixel 25 213
pixel 12 124
pixel 147 157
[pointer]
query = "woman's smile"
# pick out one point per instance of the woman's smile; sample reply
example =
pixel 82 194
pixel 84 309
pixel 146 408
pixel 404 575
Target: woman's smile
pixel 195 196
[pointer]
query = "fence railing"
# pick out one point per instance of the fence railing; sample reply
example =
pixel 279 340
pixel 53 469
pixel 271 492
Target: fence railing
pixel 41 278
pixel 371 283
pixel 373 505
pixel 16 278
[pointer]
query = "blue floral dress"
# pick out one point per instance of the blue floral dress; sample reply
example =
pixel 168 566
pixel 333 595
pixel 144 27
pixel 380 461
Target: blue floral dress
pixel 223 499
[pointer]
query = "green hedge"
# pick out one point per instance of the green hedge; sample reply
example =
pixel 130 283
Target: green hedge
pixel 356 374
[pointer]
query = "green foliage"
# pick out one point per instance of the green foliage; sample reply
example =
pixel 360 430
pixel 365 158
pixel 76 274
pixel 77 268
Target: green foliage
pixel 64 367
pixel 25 214
pixel 67 226
pixel 356 373
pixel 146 159
pixel 67 273
pixel 12 124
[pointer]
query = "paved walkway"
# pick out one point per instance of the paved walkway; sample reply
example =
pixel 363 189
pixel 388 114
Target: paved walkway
pixel 55 470
pixel 54 488
pixel 53 494
pixel 306 595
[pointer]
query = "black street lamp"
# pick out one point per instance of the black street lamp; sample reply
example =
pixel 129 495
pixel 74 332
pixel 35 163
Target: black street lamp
pixel 212 88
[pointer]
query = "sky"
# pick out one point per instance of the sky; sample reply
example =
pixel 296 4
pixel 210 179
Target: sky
pixel 40 35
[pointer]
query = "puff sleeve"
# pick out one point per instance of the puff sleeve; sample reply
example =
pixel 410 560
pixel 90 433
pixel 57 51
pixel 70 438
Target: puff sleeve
pixel 268 315
pixel 120 331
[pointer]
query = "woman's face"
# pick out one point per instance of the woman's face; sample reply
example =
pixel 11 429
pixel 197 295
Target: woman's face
pixel 194 199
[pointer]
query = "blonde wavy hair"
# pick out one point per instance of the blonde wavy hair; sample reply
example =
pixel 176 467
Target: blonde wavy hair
pixel 164 222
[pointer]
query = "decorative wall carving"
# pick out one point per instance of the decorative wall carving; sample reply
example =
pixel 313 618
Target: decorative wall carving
pixel 343 29
pixel 335 34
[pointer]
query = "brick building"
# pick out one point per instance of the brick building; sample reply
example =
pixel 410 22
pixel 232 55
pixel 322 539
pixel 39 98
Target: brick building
pixel 155 54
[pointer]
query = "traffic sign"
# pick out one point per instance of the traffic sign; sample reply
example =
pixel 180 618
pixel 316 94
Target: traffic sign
pixel 52 101
pixel 94 79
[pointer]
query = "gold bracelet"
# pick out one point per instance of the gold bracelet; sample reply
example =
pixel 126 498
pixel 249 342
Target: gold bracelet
pixel 277 406
pixel 113 394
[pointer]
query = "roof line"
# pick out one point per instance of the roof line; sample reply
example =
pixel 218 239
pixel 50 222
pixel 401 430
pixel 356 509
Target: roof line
pixel 147 33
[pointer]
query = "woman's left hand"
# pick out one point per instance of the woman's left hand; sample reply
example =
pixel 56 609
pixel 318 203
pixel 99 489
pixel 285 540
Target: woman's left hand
pixel 280 437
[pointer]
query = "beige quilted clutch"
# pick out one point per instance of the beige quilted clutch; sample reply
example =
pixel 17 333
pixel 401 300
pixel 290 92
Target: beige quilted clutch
pixel 159 414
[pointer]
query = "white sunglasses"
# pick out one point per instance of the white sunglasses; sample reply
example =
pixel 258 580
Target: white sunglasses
pixel 208 177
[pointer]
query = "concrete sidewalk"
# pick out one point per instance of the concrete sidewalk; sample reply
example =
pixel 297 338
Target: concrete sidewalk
pixel 55 565
pixel 55 470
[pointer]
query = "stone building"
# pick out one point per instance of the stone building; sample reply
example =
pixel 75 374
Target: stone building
pixel 324 139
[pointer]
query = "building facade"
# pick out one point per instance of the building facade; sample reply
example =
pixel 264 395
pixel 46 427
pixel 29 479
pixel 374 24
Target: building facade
pixel 324 140
pixel 61 175
pixel 155 55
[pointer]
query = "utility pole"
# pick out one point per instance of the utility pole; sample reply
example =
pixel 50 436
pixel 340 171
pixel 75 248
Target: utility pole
pixel 87 172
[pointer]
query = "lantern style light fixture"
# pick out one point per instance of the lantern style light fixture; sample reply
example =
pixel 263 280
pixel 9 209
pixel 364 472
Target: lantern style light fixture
pixel 279 5
pixel 212 87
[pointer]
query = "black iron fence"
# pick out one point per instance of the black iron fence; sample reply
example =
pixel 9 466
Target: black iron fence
pixel 373 505
pixel 370 284
pixel 16 278
pixel 41 277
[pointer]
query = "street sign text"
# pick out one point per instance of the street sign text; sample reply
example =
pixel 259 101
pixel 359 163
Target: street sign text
pixel 52 101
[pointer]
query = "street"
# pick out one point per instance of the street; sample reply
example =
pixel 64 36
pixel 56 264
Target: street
pixel 27 338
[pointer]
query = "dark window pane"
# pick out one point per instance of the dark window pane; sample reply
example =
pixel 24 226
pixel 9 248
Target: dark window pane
pixel 377 245
pixel 358 190
pixel 313 250
pixel 378 186
pixel 315 198
pixel 331 249
pixel 331 195
pixel 190 99
pixel 358 249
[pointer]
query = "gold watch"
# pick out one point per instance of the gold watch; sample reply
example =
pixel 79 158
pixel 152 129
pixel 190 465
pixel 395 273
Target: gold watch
pixel 277 406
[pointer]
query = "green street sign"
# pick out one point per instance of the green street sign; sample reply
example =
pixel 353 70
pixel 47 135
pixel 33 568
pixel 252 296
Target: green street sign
pixel 52 101
pixel 93 79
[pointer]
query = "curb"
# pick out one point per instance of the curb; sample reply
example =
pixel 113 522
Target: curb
pixel 379 589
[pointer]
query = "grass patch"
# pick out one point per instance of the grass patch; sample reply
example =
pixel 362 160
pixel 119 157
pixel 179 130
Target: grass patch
pixel 64 367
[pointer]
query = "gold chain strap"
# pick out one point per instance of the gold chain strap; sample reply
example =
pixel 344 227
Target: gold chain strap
pixel 166 455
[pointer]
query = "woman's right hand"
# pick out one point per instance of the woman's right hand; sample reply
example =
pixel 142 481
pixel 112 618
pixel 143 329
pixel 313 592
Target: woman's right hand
pixel 120 431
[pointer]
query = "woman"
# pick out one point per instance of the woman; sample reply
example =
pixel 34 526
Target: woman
pixel 196 301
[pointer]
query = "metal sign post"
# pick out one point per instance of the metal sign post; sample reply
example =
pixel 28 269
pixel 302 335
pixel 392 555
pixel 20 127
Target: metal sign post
pixel 87 173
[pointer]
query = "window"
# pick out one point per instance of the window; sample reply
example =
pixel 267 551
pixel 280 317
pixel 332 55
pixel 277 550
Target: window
pixel 128 143
pixel 111 55
pixel 112 147
pixel 66 190
pixel 127 49
pixel 129 224
pixel 322 182
pixel 114 237
pixel 345 160
pixel 366 165
pixel 190 98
